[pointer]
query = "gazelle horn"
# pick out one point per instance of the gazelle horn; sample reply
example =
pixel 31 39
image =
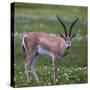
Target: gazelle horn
pixel 62 25
pixel 72 26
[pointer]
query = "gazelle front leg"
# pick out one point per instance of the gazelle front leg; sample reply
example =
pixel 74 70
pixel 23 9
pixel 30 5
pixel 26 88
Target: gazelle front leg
pixel 55 67
pixel 53 59
pixel 56 70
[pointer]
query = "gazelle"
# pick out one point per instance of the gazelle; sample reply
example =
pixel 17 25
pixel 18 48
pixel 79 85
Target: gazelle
pixel 39 43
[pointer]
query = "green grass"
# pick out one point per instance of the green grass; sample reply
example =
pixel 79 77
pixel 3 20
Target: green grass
pixel 73 67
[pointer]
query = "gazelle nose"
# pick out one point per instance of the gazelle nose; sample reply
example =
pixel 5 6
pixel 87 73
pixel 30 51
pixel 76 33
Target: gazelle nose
pixel 67 47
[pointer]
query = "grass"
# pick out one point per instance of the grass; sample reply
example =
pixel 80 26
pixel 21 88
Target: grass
pixel 73 67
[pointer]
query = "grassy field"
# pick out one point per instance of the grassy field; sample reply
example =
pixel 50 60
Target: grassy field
pixel 33 17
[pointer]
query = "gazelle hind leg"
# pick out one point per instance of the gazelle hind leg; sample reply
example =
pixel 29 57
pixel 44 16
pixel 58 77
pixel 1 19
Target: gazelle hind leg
pixel 27 74
pixel 27 67
pixel 32 66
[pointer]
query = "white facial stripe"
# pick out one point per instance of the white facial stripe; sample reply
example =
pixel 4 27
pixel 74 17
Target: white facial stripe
pixel 68 45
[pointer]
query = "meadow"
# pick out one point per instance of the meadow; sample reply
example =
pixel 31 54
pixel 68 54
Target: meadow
pixel 42 18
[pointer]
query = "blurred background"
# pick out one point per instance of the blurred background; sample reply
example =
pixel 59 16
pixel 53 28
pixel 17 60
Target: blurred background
pixel 42 18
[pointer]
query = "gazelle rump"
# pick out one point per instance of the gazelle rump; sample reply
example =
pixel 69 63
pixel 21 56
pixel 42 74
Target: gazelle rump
pixel 42 44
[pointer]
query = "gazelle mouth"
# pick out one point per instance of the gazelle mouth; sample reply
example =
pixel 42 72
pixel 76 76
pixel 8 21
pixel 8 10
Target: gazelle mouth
pixel 68 47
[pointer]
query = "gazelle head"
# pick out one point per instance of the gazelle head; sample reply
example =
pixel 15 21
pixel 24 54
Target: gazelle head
pixel 68 36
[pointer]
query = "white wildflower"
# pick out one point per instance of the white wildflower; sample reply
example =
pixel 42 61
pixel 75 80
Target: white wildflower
pixel 48 72
pixel 79 68
pixel 58 76
pixel 15 86
pixel 78 79
pixel 58 69
pixel 14 64
pixel 65 74
pixel 85 68
pixel 67 78
pixel 45 67
pixel 19 72
pixel 70 71
pixel 49 83
pixel 56 80
pixel 21 77
pixel 14 78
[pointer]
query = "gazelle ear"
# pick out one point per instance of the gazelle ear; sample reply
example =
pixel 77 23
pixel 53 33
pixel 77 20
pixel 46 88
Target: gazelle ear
pixel 62 35
pixel 72 36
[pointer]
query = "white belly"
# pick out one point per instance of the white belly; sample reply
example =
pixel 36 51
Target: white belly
pixel 44 52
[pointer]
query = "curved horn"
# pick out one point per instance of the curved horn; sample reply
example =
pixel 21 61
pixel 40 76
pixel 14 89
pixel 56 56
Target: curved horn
pixel 72 26
pixel 62 25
